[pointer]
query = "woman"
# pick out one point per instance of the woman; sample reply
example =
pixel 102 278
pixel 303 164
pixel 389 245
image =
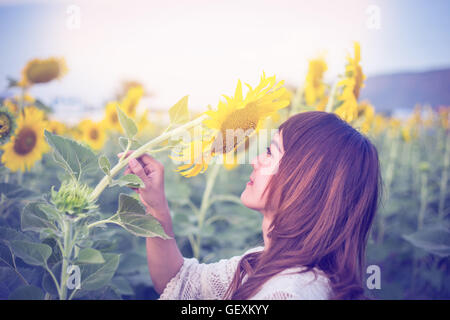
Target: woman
pixel 318 200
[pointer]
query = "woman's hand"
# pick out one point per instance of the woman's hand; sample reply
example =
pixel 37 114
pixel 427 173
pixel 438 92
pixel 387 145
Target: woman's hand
pixel 163 256
pixel 151 172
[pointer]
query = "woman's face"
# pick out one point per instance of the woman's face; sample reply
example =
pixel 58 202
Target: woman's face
pixel 264 167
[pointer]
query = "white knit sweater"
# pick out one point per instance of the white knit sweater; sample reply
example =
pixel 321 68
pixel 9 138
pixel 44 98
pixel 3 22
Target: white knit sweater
pixel 203 281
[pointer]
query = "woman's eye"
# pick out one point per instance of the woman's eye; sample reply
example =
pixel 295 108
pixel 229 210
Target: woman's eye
pixel 268 151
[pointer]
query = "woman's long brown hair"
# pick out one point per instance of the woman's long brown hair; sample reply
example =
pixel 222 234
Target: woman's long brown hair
pixel 325 194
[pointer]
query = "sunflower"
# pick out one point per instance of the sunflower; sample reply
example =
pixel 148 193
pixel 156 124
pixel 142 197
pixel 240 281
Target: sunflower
pixel 444 117
pixel 348 109
pixel 380 124
pixel 93 134
pixel 354 70
pixel 247 115
pixel 12 106
pixel 56 127
pixel 410 129
pixel 236 157
pixel 131 100
pixel 43 71
pixel 28 144
pixel 7 125
pixel 144 125
pixel 406 132
pixel 322 104
pixel 111 119
pixel 367 113
pixel 314 86
pixel 351 86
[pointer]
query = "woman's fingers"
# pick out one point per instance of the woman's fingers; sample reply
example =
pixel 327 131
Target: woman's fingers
pixel 129 169
pixel 128 153
pixel 137 169
pixel 148 162
pixel 148 159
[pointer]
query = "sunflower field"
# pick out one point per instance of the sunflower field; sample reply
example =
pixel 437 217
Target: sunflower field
pixel 66 207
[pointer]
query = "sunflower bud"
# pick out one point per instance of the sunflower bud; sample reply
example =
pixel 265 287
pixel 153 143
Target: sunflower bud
pixel 73 198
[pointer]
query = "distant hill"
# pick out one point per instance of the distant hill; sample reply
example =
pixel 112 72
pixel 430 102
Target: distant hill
pixel 405 90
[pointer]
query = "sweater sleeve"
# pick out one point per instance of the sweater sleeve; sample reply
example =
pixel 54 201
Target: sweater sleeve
pixel 202 281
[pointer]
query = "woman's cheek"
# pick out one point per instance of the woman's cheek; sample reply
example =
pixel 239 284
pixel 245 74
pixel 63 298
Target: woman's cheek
pixel 252 197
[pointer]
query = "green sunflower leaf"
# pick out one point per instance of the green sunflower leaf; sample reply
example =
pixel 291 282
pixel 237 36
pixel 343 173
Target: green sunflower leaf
pixel 129 180
pixel 132 217
pixel 434 239
pixel 14 191
pixel 32 253
pixel 179 113
pixel 38 216
pixel 28 292
pixel 90 256
pixel 127 124
pixel 104 164
pixel 96 276
pixel 71 155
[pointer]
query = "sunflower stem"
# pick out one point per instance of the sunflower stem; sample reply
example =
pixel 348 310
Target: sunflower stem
pixel 124 154
pixel 140 151
pixel 329 106
pixel 210 182
pixel 22 101
pixel 444 177
pixel 389 174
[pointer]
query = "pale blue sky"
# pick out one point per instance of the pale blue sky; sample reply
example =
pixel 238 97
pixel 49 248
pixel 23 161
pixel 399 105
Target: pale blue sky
pixel 201 47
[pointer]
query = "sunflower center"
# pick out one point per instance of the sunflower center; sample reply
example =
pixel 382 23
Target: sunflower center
pixel 132 106
pixel 93 134
pixel 114 118
pixel 5 125
pixel 25 141
pixel 242 123
pixel 43 72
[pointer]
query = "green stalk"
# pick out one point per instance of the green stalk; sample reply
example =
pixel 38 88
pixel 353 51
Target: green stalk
pixel 423 199
pixel 389 177
pixel 207 193
pixel 22 101
pixel 296 101
pixel 126 150
pixel 66 245
pixel 140 151
pixel 444 177
pixel 212 176
pixel 329 107
pixel 52 275
pixel 109 220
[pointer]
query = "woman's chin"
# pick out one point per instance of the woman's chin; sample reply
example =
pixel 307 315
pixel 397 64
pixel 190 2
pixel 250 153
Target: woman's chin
pixel 246 201
pixel 244 198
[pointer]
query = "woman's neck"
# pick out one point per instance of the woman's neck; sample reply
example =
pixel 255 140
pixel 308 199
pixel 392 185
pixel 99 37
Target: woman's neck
pixel 267 220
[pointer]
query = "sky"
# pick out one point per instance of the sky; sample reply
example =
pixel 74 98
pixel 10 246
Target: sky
pixel 201 48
